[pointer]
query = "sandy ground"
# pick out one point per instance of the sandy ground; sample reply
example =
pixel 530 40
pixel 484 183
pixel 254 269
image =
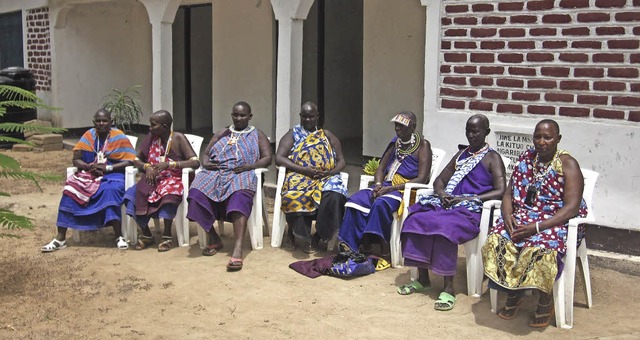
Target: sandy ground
pixel 92 290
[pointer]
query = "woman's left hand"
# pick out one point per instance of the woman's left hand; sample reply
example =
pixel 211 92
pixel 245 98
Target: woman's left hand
pixel 241 168
pixel 523 231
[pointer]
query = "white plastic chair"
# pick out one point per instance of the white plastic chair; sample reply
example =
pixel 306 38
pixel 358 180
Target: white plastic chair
pixel 72 169
pixel 394 242
pixel 563 288
pixel 279 219
pixel 182 224
pixel 257 227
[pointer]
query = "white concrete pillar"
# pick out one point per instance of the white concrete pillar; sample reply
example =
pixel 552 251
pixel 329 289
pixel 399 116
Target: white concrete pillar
pixel 161 15
pixel 290 15
pixel 431 61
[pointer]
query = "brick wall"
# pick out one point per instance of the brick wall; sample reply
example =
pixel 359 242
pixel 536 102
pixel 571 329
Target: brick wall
pixel 38 47
pixel 576 58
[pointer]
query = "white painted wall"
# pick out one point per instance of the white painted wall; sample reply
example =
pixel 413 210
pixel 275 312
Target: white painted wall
pixel 243 61
pixel 103 45
pixel 393 70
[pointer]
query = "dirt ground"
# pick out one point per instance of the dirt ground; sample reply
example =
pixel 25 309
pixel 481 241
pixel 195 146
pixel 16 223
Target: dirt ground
pixel 92 290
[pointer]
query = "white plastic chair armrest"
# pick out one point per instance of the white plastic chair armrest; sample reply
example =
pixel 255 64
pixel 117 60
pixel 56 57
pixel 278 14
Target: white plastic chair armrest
pixel 364 181
pixel 492 204
pixel 575 222
pixel 71 170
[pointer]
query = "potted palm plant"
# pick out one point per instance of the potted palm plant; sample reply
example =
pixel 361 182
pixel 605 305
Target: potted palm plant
pixel 124 106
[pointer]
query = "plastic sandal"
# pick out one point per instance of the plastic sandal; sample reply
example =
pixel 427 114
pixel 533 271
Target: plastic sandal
pixel 144 242
pixel 510 312
pixel 544 317
pixel 166 244
pixel 211 249
pixel 121 243
pixel 411 288
pixel 234 264
pixel 445 302
pixel 382 264
pixel 53 246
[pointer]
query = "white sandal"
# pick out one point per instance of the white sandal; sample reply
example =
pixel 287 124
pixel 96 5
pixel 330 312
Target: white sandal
pixel 53 246
pixel 121 243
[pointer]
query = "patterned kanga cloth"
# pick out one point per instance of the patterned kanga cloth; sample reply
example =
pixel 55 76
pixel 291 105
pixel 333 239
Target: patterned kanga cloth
pixel 313 150
pixel 532 262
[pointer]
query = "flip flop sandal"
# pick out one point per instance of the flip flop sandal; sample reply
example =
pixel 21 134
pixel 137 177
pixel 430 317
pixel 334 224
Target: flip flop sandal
pixel 544 317
pixel 504 313
pixel 165 245
pixel 234 264
pixel 382 264
pixel 121 243
pixel 411 288
pixel 445 302
pixel 211 249
pixel 53 246
pixel 144 242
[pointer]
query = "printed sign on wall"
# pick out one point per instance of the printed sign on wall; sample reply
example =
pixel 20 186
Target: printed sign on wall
pixel 511 145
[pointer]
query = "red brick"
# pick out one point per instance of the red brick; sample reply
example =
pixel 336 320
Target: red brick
pixel 512 32
pixel 589 72
pixel 522 45
pixel 609 86
pixel 526 96
pixel 555 71
pixel 626 101
pixel 458 93
pixel 634 116
pixel 491 70
pixel 539 57
pixel 452 104
pixel 481 81
pixel 573 111
pixel 445 69
pixel 593 17
pixel 559 97
pixel 455 57
pixel 482 8
pixel 636 3
pixel 554 44
pixel 456 8
pixel 510 6
pixel 574 3
pixel 541 84
pixel 634 58
pixel 587 44
pixel 455 32
pixel 492 45
pixel 610 3
pixel 465 21
pixel 610 30
pixel 509 108
pixel 574 85
pixel 522 71
pixel 540 5
pixel 523 19
pixel 556 19
pixel 483 32
pixel 596 100
pixel 636 30
pixel 626 72
pixel 465 44
pixel 446 21
pixel 624 44
pixel 545 31
pixel 455 80
pixel 628 16
pixel 576 31
pixel 510 58
pixel 574 57
pixel 608 58
pixel 510 82
pixel 610 114
pixel 482 57
pixel 492 94
pixel 445 45
pixel 464 69
pixel 494 20
pixel 480 106
pixel 541 110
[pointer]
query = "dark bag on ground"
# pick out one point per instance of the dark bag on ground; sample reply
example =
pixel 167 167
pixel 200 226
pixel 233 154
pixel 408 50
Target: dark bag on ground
pixel 349 264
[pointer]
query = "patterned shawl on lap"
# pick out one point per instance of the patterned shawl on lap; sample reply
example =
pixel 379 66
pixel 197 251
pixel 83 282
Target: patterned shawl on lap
pixel 310 149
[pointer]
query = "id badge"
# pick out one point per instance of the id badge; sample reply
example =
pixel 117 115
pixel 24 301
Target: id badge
pixel 162 159
pixel 101 158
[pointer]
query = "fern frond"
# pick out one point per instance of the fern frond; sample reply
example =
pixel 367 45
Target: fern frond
pixel 10 220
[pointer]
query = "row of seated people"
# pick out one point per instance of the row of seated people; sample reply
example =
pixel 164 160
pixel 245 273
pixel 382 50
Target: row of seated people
pixel 543 194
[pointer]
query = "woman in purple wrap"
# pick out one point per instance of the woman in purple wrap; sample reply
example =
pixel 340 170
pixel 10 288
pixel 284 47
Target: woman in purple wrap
pixel 437 224
pixel 227 184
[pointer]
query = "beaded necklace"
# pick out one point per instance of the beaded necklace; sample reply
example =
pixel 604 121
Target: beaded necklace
pixel 539 175
pixel 414 144
pixel 235 134
pixel 461 163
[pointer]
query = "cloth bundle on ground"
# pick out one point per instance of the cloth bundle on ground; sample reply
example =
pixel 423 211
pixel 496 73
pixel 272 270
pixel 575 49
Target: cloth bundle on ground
pixel 345 264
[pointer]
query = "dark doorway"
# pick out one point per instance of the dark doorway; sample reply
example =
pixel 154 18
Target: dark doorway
pixel 11 44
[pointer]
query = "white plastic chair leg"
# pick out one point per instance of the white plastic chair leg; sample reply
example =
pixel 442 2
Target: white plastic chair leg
pixel 586 276
pixel 394 243
pixel 75 234
pixel 182 228
pixel 471 265
pixel 494 300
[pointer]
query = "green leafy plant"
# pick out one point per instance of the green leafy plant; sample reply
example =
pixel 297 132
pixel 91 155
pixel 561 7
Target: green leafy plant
pixel 124 106
pixel 11 96
pixel 371 166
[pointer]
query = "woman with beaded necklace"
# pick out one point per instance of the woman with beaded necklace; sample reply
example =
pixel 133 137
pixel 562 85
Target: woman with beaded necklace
pixel 525 247
pixel 370 211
